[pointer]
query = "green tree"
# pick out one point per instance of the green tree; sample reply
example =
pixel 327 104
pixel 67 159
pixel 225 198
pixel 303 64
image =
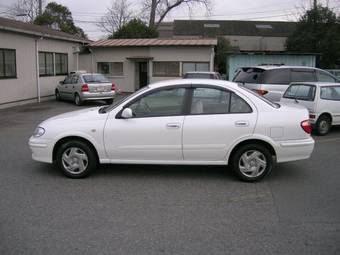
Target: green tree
pixel 222 48
pixel 318 31
pixel 59 17
pixel 135 28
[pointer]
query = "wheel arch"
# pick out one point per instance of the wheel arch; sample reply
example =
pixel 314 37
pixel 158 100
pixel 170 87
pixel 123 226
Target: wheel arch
pixel 72 138
pixel 264 143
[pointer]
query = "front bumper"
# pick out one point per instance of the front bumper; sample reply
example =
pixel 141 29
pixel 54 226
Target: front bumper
pixel 42 149
pixel 292 150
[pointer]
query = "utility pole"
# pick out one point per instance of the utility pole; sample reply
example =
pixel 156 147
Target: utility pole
pixel 40 7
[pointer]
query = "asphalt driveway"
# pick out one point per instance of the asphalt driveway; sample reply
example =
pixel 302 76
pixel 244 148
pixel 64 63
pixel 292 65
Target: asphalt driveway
pixel 134 209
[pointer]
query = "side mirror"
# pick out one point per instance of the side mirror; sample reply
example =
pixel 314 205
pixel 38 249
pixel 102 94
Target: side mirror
pixel 61 82
pixel 127 113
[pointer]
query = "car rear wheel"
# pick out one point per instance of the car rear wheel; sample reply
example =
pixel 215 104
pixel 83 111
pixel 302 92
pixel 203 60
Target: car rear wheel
pixel 76 159
pixel 323 125
pixel 77 100
pixel 57 95
pixel 252 162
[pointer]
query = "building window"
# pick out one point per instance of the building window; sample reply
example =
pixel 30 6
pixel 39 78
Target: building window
pixel 110 68
pixel 61 64
pixel 7 64
pixel 46 65
pixel 195 66
pixel 166 69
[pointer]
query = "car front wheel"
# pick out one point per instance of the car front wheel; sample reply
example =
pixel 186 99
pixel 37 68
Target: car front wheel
pixel 252 162
pixel 76 159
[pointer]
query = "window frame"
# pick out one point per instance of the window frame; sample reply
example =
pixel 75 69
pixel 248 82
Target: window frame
pixel 53 63
pixel 191 95
pixel 166 75
pixel 4 64
pixel 195 62
pixel 110 74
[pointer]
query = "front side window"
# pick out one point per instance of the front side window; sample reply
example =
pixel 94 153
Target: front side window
pixel 46 65
pixel 330 93
pixel 210 101
pixel 301 92
pixel 110 68
pixel 324 77
pixel 61 64
pixel 7 63
pixel 166 102
pixel 165 69
pixel 195 66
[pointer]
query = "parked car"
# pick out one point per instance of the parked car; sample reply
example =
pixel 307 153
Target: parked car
pixel 272 81
pixel 82 86
pixel 196 122
pixel 202 75
pixel 322 101
pixel 335 72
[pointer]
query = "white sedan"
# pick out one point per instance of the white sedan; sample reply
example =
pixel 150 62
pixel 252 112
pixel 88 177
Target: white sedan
pixel 184 122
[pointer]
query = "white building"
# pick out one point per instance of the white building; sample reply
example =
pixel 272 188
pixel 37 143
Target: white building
pixel 133 63
pixel 33 59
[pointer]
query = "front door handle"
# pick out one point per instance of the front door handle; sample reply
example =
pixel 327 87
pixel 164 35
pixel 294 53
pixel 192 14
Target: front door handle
pixel 173 125
pixel 242 123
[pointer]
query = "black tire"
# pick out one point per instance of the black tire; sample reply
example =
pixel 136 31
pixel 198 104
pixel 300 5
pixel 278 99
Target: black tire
pixel 323 125
pixel 263 155
pixel 109 101
pixel 57 96
pixel 77 100
pixel 70 165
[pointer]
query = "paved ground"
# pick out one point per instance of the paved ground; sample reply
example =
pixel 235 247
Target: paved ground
pixel 163 209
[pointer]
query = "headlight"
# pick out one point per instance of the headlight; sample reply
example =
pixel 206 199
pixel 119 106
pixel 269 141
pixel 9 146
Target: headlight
pixel 39 131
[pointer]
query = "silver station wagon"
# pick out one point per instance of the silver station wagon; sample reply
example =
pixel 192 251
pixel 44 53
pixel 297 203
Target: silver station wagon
pixel 82 86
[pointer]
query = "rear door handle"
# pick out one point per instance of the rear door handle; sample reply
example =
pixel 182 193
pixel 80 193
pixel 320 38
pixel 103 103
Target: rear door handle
pixel 173 125
pixel 242 123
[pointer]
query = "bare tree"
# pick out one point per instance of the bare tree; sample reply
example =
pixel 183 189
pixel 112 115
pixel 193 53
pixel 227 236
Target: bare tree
pixel 25 10
pixel 117 15
pixel 159 9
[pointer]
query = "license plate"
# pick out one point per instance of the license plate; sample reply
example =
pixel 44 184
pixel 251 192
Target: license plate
pixel 100 89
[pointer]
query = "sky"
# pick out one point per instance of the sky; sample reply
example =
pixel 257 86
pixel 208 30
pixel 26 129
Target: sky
pixel 87 12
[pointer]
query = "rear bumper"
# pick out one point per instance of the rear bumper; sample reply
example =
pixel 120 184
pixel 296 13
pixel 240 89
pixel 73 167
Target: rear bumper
pixel 97 95
pixel 291 150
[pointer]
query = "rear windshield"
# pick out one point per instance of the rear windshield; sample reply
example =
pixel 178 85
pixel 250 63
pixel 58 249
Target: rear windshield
pixel 249 75
pixel 301 92
pixel 198 76
pixel 95 78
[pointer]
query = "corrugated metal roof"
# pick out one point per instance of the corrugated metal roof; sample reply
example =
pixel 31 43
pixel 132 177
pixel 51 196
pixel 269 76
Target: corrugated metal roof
pixel 153 42
pixel 28 28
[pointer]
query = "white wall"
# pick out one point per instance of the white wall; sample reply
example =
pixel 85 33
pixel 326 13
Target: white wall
pixel 24 87
pixel 128 82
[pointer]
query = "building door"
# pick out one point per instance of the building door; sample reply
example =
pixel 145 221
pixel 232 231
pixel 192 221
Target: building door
pixel 143 74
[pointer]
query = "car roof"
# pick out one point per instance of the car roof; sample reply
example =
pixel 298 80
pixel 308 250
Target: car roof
pixel 271 67
pixel 222 83
pixel 318 84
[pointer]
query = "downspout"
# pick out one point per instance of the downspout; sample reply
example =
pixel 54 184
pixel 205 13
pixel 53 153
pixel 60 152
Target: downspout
pixel 37 67
pixel 212 56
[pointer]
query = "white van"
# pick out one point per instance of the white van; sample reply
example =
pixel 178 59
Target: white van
pixel 321 99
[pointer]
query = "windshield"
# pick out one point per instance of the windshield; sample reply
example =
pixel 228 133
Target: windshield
pixel 95 78
pixel 271 103
pixel 249 75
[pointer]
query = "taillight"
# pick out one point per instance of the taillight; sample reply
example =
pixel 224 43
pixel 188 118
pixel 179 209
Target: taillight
pixel 306 126
pixel 85 88
pixel 261 92
pixel 113 87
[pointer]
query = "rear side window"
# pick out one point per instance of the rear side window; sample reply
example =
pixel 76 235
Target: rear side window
pixel 249 75
pixel 277 76
pixel 301 92
pixel 325 77
pixel 302 75
pixel 330 93
pixel 238 105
